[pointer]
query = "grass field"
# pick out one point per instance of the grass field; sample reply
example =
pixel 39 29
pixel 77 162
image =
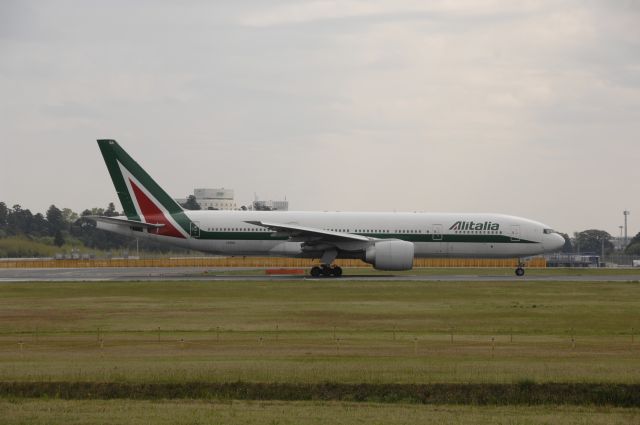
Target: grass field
pixel 313 332
pixel 298 413
pixel 317 331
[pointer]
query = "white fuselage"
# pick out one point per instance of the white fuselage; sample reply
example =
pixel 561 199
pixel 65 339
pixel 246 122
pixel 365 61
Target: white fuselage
pixel 433 234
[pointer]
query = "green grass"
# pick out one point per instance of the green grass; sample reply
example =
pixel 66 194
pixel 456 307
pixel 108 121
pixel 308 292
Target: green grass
pixel 302 331
pixel 22 247
pixel 43 247
pixel 298 413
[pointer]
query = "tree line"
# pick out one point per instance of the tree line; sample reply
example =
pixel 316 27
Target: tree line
pixel 58 226
pixel 593 241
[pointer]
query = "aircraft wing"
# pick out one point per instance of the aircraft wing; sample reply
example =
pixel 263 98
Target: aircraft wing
pixel 122 221
pixel 310 233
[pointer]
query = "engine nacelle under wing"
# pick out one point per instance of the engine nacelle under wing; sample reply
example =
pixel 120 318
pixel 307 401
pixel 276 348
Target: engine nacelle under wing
pixel 390 255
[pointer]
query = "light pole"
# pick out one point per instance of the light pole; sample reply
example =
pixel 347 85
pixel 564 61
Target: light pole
pixel 620 244
pixel 626 214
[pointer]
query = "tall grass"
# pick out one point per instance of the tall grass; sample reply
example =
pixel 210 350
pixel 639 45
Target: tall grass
pixel 18 247
pixel 618 395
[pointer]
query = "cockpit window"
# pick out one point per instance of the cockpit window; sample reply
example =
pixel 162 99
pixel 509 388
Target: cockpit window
pixel 548 231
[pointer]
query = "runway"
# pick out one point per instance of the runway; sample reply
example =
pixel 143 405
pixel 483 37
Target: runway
pixel 106 274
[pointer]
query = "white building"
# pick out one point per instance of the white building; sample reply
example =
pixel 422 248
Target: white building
pixel 223 199
pixel 213 199
pixel 271 205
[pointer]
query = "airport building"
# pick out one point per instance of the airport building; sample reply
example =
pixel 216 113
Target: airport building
pixel 223 199
pixel 271 205
pixel 213 199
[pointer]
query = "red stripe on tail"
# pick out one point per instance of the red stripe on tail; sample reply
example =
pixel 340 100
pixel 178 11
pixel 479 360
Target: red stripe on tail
pixel 153 214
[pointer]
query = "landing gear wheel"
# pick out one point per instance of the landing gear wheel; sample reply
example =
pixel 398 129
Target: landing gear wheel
pixel 327 271
pixel 519 271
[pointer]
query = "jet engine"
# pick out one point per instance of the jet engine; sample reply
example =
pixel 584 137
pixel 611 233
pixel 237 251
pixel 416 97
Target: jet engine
pixel 390 255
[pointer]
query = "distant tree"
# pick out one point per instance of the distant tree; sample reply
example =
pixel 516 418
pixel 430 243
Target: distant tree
pixel 68 216
pixel 39 225
pixel 4 213
pixel 58 239
pixel 192 203
pixel 111 210
pixel 635 239
pixel 568 246
pixel 634 245
pixel 13 224
pixel 55 220
pixel 591 241
pixel 19 221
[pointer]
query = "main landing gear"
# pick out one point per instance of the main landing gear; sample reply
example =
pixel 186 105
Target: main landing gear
pixel 520 269
pixel 326 271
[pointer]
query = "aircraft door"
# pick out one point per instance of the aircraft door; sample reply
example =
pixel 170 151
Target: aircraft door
pixel 195 229
pixel 515 232
pixel 440 246
pixel 437 232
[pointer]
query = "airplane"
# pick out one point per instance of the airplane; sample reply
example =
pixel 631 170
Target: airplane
pixel 386 240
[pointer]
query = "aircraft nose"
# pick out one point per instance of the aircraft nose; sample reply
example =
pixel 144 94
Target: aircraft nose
pixel 557 242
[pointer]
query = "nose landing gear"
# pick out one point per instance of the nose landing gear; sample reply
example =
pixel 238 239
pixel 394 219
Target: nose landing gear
pixel 520 269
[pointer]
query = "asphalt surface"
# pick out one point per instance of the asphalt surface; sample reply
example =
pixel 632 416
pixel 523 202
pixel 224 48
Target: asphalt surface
pixel 105 274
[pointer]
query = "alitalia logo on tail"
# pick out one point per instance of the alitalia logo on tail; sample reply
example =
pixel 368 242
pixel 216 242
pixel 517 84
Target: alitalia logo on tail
pixel 149 209
pixel 472 225
pixel 141 197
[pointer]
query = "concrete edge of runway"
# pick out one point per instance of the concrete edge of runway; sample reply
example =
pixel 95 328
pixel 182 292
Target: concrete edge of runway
pixel 221 274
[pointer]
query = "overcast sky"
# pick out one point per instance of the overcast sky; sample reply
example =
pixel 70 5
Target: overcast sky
pixel 529 108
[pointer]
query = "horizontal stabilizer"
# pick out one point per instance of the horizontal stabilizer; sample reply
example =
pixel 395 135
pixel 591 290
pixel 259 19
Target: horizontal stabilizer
pixel 121 221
